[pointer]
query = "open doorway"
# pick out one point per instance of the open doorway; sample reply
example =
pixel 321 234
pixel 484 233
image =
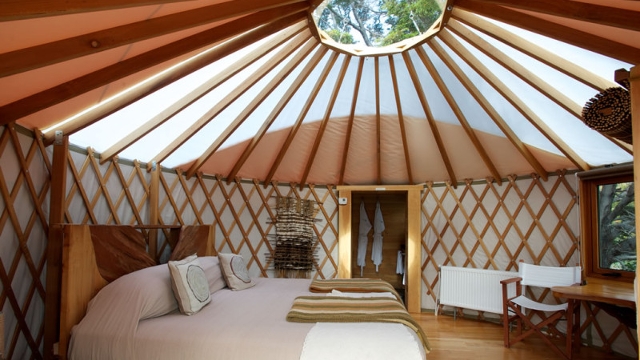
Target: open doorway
pixel 348 212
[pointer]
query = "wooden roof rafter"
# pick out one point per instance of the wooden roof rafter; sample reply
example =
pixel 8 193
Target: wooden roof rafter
pixel 432 122
pixel 236 93
pixel 512 98
pixel 219 52
pixel 20 10
pixel 286 98
pixel 325 120
pixel 583 11
pixel 516 68
pixel 444 90
pixel 537 52
pixel 268 22
pixel 553 30
pixel 490 110
pixel 249 108
pixel 296 126
pixel 354 102
pixel 403 131
pixel 38 56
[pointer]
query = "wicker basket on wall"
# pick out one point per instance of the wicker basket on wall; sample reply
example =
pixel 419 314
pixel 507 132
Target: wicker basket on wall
pixel 609 113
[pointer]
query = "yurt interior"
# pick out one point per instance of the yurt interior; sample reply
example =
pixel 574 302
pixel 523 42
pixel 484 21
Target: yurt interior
pixel 441 146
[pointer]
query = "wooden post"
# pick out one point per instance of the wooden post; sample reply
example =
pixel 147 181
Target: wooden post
pixel 54 245
pixel 154 196
pixel 634 81
pixel 344 231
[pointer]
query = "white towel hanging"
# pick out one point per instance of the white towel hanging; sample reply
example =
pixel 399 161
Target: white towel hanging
pixel 378 228
pixel 363 238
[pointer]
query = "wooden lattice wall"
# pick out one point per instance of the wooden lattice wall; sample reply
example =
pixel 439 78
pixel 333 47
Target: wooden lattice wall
pixel 522 219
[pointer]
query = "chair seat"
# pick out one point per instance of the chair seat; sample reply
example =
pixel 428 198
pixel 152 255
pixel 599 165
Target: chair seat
pixel 530 304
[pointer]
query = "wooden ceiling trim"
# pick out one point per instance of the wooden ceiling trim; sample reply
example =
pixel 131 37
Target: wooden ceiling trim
pixel 553 30
pixel 516 68
pixel 57 51
pixel 444 90
pixel 489 109
pixel 291 90
pixel 236 93
pixel 432 123
pixel 403 131
pixel 294 129
pixel 354 102
pixel 512 98
pixel 537 52
pixel 19 10
pixel 377 91
pixel 219 52
pixel 325 120
pixel 274 20
pixel 583 11
pixel 256 101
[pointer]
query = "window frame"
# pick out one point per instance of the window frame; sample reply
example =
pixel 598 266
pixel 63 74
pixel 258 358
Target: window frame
pixel 589 182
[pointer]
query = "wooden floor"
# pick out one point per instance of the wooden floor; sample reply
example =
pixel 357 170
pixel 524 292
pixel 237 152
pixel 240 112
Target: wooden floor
pixel 479 340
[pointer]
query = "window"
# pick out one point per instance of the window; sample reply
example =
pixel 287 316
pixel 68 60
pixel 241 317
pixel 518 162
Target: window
pixel 608 223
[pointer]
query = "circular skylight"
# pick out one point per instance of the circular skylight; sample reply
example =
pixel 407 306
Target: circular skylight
pixel 377 26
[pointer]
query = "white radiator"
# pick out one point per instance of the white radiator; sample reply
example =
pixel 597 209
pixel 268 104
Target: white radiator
pixel 474 289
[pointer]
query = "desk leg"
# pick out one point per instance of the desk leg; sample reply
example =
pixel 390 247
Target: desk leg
pixel 573 326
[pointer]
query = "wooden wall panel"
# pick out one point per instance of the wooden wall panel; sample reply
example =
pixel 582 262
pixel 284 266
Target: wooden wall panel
pixel 477 224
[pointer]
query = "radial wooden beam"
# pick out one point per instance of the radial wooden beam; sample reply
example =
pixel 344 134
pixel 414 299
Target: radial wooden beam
pixel 403 131
pixel 249 108
pixel 517 69
pixel 236 93
pixel 325 121
pixel 376 67
pixel 86 44
pixel 537 52
pixel 582 11
pixel 210 57
pixel 490 110
pixel 432 123
pixel 444 90
pixel 354 102
pixel 291 90
pixel 303 113
pixel 19 9
pixel 510 96
pixel 553 30
pixel 274 19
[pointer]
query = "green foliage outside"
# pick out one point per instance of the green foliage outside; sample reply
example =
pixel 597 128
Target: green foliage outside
pixel 617 227
pixel 379 22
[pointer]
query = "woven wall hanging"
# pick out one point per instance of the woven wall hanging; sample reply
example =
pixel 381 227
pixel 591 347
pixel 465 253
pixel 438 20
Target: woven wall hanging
pixel 294 245
pixel 609 113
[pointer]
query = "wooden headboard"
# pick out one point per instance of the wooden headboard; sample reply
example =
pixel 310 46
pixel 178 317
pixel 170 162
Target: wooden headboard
pixel 82 277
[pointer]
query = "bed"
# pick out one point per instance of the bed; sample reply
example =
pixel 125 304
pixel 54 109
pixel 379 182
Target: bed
pixel 135 316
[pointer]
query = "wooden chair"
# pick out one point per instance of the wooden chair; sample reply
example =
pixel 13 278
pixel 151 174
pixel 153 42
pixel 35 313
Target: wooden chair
pixel 515 308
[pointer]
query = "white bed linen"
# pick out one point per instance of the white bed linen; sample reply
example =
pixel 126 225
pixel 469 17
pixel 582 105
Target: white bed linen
pixel 236 325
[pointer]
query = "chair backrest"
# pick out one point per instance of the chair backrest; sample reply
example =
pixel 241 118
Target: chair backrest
pixel 549 276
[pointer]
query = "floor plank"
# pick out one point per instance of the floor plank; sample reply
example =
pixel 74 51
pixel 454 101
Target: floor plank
pixel 465 338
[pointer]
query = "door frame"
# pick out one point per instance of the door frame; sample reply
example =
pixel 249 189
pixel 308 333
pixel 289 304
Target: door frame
pixel 414 238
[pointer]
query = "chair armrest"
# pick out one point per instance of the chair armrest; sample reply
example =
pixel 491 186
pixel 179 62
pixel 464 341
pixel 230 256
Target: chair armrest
pixel 512 280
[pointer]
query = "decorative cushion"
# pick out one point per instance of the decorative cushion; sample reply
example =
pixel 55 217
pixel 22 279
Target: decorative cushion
pixel 190 285
pixel 235 272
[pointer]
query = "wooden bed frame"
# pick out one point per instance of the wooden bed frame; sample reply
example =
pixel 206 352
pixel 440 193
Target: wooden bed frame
pixel 82 278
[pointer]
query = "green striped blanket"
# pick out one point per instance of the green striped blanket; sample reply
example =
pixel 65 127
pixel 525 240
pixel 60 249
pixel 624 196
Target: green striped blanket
pixel 353 285
pixel 348 309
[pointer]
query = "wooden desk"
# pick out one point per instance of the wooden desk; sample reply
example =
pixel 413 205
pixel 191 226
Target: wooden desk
pixel 595 291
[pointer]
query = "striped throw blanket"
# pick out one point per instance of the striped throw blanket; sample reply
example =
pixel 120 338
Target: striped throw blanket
pixel 346 309
pixel 353 285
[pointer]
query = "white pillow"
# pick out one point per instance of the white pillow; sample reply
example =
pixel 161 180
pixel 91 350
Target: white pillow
pixel 190 285
pixel 211 266
pixel 235 272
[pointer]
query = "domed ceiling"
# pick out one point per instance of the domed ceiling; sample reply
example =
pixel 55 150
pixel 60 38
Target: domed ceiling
pixel 252 89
